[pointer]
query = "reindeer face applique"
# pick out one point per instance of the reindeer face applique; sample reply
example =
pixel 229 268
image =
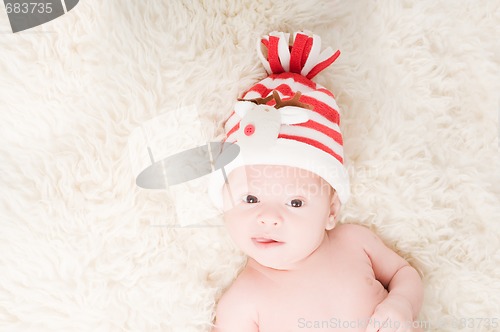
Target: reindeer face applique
pixel 260 123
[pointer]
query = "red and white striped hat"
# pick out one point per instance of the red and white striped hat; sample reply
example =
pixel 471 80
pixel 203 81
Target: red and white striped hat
pixel 287 119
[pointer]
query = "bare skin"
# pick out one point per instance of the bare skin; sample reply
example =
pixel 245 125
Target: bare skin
pixel 348 278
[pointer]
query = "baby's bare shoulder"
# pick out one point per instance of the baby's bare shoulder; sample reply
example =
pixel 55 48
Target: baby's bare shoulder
pixel 352 232
pixel 237 308
pixel 354 235
pixel 243 287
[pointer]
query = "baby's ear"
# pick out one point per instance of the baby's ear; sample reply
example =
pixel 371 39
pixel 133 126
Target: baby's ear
pixel 334 210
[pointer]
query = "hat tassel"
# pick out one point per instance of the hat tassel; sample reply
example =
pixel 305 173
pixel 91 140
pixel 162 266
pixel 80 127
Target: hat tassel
pixel 303 57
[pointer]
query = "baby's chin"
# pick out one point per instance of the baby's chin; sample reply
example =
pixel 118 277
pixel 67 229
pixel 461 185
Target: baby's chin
pixel 274 266
pixel 273 263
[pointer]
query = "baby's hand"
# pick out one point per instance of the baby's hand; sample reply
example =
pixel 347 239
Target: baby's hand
pixel 394 314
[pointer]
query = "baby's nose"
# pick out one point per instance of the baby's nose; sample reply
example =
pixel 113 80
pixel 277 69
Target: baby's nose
pixel 269 222
pixel 269 214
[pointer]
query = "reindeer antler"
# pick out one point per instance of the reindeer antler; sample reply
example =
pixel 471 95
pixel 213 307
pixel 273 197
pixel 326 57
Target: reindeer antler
pixel 280 103
pixel 258 101
pixel 291 102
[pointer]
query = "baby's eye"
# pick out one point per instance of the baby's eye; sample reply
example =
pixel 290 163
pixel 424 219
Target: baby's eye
pixel 296 203
pixel 250 199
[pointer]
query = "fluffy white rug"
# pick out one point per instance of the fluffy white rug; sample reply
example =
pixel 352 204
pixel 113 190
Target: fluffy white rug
pixel 82 248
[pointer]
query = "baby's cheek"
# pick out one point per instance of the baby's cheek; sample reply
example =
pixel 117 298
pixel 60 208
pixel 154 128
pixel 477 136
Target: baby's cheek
pixel 230 217
pixel 234 221
pixel 239 235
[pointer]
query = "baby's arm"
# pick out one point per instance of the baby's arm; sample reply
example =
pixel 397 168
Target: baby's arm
pixel 235 311
pixel 401 280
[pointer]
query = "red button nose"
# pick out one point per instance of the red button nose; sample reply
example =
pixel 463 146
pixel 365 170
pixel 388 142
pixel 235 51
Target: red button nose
pixel 249 129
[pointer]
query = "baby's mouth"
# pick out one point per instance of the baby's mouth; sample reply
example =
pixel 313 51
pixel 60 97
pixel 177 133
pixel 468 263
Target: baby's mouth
pixel 265 242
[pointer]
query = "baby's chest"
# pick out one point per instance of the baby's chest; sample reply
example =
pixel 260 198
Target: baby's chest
pixel 344 293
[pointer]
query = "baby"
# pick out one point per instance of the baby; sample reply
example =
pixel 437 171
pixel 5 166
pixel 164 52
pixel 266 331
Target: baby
pixel 281 196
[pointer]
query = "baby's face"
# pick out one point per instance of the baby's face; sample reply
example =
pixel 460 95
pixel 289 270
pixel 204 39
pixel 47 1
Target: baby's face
pixel 278 214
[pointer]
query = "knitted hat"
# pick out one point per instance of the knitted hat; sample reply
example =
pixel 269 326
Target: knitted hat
pixel 287 119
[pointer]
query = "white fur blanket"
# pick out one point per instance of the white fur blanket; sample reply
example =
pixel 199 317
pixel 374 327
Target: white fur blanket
pixel 82 248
